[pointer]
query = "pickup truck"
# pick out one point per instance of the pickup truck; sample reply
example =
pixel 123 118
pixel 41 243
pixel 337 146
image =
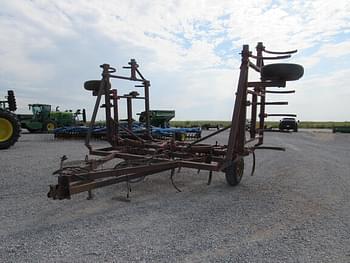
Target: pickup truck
pixel 288 124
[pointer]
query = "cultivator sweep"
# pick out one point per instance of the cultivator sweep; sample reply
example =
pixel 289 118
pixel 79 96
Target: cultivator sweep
pixel 143 155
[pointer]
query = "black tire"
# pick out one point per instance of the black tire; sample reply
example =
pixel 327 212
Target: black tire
pixel 10 129
pixel 280 127
pixel 84 116
pixel 234 173
pixel 282 71
pixel 94 86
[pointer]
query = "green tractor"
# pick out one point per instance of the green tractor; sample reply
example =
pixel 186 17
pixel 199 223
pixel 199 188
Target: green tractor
pixel 158 118
pixel 10 127
pixel 45 120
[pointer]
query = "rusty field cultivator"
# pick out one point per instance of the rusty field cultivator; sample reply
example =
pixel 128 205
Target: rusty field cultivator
pixel 142 155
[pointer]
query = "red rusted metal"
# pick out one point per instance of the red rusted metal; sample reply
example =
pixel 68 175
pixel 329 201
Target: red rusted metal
pixel 144 155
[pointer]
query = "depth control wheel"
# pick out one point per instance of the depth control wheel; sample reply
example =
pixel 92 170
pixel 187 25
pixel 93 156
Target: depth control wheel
pixel 282 71
pixel 234 172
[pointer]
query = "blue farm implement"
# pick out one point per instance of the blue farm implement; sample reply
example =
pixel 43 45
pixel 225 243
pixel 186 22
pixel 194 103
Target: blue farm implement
pixel 180 134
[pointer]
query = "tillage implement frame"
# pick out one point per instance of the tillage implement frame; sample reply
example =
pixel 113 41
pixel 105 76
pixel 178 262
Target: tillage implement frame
pixel 141 156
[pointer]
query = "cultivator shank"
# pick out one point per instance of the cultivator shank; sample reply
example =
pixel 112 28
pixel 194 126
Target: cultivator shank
pixel 143 155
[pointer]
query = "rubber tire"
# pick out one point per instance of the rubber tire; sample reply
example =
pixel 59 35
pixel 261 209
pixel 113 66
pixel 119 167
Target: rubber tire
pixel 92 85
pixel 16 129
pixel 282 72
pixel 45 128
pixel 234 173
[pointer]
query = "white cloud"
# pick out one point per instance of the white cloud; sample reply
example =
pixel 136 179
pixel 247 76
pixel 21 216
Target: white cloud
pixel 338 50
pixel 47 45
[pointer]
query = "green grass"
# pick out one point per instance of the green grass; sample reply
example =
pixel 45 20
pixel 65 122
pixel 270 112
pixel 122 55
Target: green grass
pixel 273 124
pixel 187 124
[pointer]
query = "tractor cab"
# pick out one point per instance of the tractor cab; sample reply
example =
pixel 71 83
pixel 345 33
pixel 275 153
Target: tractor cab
pixel 40 112
pixel 40 119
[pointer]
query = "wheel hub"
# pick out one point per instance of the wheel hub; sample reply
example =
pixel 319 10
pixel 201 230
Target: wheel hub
pixel 6 130
pixel 50 126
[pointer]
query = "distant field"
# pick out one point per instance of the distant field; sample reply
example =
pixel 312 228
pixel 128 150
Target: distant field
pixel 273 124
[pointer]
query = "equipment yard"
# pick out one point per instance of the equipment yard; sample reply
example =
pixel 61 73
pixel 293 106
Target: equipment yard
pixel 294 209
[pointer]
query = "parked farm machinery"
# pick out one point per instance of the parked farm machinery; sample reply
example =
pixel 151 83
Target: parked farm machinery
pixel 158 118
pixel 98 132
pixel 10 128
pixel 44 119
pixel 143 155
pixel 160 128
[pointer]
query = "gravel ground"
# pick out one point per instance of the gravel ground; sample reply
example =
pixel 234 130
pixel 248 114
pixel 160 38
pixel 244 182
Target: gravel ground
pixel 296 208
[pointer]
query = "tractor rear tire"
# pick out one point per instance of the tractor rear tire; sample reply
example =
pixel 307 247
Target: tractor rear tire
pixel 10 129
pixel 234 172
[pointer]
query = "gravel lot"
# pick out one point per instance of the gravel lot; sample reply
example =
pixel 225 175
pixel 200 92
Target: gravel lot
pixel 295 209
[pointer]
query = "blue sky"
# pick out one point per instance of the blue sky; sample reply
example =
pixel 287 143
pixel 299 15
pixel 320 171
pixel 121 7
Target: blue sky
pixel 189 50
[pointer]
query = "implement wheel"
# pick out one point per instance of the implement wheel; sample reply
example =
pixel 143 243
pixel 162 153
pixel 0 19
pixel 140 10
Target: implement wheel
pixel 282 71
pixel 9 129
pixel 234 172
